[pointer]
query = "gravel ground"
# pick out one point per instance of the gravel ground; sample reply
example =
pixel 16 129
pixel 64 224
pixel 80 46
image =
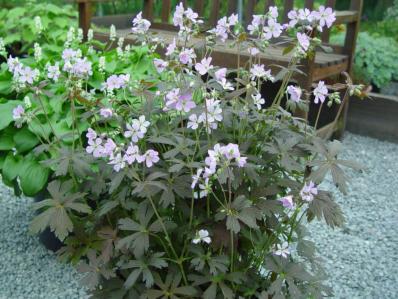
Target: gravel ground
pixel 361 258
pixel 27 269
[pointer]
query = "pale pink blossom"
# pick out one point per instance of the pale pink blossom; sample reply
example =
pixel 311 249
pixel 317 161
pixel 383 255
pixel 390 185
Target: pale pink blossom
pixel 253 51
pixel 220 74
pixel 325 16
pixel 193 122
pixel 320 92
pixel 186 56
pixel 150 158
pixel 196 177
pixel 287 202
pixel 95 147
pixel 160 64
pixel 204 66
pixel 18 112
pixel 295 93
pixel 308 191
pixel 273 29
pixel 304 41
pixel 140 25
pixel 106 112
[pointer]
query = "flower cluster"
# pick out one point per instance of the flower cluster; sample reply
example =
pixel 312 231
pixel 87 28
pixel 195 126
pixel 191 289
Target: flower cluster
pixel 115 82
pixel 22 75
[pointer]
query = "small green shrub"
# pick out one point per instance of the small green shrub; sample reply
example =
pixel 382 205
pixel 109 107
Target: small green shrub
pixel 35 22
pixel 376 58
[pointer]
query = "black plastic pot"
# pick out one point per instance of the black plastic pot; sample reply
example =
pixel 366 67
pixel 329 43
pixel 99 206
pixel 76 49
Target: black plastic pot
pixel 47 237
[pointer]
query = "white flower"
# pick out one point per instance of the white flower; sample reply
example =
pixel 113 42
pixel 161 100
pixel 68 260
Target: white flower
pixel 226 85
pixel 112 33
pixel 140 25
pixel 134 132
pixel 258 100
pixel 37 52
pixel 258 71
pixel 282 250
pixel 38 24
pixel 205 188
pixel 193 122
pixel 196 177
pixel 53 72
pixel 202 236
pixel 117 162
pixel 150 157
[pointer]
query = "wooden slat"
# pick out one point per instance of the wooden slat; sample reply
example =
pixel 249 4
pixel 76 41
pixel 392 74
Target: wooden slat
pixel 214 14
pixel 199 7
pixel 84 16
pixel 232 7
pixel 148 10
pixel 249 11
pixel 309 4
pixel 352 32
pixel 166 10
pixel 268 4
pixel 347 16
pixel 287 6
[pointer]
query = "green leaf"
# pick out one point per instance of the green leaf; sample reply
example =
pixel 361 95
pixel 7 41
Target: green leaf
pixel 33 178
pixel 12 166
pixel 6 113
pixel 25 140
pixel 6 139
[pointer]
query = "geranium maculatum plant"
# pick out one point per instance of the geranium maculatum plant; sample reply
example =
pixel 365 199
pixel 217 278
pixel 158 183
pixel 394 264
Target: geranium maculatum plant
pixel 178 182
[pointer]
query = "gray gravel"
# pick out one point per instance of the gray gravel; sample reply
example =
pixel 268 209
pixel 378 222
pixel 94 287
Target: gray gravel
pixel 361 258
pixel 27 269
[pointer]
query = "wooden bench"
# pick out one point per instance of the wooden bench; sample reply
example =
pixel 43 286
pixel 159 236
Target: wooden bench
pixel 321 67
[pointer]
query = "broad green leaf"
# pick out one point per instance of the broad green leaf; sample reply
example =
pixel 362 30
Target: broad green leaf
pixel 25 140
pixel 33 178
pixel 6 113
pixel 13 166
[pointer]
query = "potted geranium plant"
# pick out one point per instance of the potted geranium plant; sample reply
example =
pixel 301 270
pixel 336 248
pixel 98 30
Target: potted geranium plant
pixel 181 184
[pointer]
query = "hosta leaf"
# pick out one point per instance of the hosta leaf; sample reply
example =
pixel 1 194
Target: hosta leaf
pixel 33 178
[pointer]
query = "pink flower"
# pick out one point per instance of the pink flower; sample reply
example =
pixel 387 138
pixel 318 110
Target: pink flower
pixel 81 68
pixel 287 202
pixel 53 72
pixel 117 162
pixel 273 12
pixel 294 18
pixel 185 103
pixel 320 92
pixel 204 66
pixel 70 54
pixel 95 147
pixel 91 134
pixel 140 25
pixel 326 16
pixel 196 177
pixel 220 74
pixel 186 56
pixel 304 41
pixel 106 112
pixel 231 151
pixel 171 48
pixel 308 192
pixel 294 93
pixel 27 75
pixel 274 29
pixel 160 64
pixel 18 112
pixel 109 147
pixel 241 161
pixel 253 51
pixel 132 154
pixel 150 158
pixel 258 72
pixel 193 122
